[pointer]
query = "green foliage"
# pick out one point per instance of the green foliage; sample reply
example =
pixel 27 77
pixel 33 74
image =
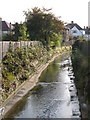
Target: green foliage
pixel 10 76
pixel 56 40
pixel 81 38
pixel 17 33
pixel 8 79
pixel 52 44
pixel 22 62
pixel 19 64
pixel 81 68
pixel 70 37
pixel 8 37
pixel 10 47
pixel 23 31
pixel 24 75
pixel 42 24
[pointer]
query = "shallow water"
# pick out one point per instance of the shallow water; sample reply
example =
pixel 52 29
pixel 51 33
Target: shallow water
pixel 57 96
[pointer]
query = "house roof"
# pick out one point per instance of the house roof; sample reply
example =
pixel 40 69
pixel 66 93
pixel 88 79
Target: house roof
pixel 6 26
pixel 71 25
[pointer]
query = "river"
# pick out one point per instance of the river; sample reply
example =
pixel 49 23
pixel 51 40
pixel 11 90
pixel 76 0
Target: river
pixel 56 96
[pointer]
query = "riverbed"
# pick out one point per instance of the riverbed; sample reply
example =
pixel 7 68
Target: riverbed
pixel 56 96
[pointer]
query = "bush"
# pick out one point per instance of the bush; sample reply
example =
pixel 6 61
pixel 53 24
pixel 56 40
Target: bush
pixel 81 38
pixel 8 37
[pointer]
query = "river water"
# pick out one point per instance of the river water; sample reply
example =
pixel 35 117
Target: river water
pixel 56 96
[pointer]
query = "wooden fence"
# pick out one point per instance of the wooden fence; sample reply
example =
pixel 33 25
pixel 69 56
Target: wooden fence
pixel 5 45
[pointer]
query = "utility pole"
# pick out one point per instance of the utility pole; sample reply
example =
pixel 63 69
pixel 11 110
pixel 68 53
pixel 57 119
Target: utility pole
pixel 1 56
pixel 88 19
pixel 10 31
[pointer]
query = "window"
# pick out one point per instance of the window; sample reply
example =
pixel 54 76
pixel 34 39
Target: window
pixel 74 31
pixel 5 32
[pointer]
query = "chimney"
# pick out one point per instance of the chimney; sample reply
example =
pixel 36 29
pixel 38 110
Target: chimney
pixel 84 27
pixel 72 22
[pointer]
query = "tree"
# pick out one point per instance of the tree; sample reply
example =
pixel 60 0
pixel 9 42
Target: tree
pixel 56 40
pixel 16 31
pixel 41 24
pixel 23 31
pixel 8 37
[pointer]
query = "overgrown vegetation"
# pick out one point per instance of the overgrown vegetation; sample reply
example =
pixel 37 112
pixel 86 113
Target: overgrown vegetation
pixel 20 63
pixel 80 38
pixel 80 60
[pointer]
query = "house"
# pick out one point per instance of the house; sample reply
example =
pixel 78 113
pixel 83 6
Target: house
pixel 6 28
pixel 75 30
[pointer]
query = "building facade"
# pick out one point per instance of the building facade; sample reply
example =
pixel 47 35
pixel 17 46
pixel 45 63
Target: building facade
pixel 75 29
pixel 6 28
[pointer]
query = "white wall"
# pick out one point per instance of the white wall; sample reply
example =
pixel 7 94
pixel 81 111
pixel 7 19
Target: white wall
pixel 78 32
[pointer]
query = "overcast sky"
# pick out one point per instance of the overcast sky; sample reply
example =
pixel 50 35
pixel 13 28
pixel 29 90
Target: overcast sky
pixel 69 10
